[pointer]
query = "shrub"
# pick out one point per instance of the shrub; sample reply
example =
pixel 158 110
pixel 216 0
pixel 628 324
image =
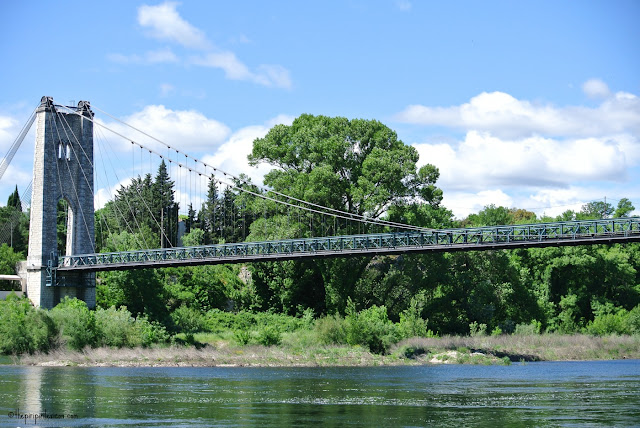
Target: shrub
pixel 535 327
pixel 24 328
pixel 476 329
pixel 331 330
pixel 370 327
pixel 633 320
pixel 151 332
pixel 118 328
pixel 609 323
pixel 188 320
pixel 269 336
pixel 217 321
pixel 412 325
pixel 242 336
pixel 76 323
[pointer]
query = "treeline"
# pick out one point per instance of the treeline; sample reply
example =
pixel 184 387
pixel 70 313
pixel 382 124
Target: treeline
pixel 360 167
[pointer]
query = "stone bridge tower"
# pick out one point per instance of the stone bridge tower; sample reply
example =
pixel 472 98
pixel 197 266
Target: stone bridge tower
pixel 62 169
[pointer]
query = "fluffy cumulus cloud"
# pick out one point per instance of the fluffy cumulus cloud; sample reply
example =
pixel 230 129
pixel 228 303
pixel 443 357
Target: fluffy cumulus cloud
pixel 540 157
pixel 596 88
pixel 505 116
pixel 482 160
pixel 163 22
pixel 188 130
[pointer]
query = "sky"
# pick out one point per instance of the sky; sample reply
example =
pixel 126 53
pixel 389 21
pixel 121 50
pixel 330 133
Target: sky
pixel 532 105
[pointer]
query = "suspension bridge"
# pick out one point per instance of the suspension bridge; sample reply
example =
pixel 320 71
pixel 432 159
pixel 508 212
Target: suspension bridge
pixel 239 216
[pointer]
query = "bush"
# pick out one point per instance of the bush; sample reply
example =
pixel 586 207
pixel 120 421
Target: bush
pixel 242 337
pixel 370 327
pixel 188 320
pixel 611 323
pixel 151 332
pixel 535 327
pixel 476 329
pixel 633 320
pixel 76 323
pixel 119 329
pixel 331 330
pixel 412 325
pixel 24 328
pixel 269 336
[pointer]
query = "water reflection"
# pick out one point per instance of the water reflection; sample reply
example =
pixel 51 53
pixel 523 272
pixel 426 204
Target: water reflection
pixel 592 393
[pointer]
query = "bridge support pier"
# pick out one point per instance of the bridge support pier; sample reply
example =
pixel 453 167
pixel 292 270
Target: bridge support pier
pixel 62 170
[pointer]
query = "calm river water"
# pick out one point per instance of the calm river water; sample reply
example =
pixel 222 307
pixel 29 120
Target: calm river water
pixel 533 394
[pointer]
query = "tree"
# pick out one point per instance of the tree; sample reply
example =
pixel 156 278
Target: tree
pixel 191 219
pixel 164 207
pixel 356 165
pixel 14 224
pixel 14 200
pixel 595 210
pixel 625 207
pixel 359 166
pixel 491 215
pixel 519 216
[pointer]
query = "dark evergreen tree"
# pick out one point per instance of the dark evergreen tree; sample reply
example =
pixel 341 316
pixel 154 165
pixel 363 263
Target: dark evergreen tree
pixel 164 207
pixel 14 224
pixel 190 222
pixel 14 200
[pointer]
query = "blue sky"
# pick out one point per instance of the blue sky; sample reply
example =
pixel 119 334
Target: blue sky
pixel 530 105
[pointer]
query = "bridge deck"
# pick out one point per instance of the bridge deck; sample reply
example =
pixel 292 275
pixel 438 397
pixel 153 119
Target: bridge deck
pixel 587 232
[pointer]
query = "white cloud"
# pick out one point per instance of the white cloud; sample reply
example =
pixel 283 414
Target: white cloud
pixel 151 57
pixel 164 23
pixel 186 130
pixel 539 157
pixel 266 75
pixel 462 203
pixel 596 88
pixel 507 117
pixel 482 160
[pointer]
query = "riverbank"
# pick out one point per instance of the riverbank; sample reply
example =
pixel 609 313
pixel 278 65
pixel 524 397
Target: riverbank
pixel 416 351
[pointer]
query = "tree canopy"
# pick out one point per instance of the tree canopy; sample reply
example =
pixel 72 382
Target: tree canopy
pixel 357 165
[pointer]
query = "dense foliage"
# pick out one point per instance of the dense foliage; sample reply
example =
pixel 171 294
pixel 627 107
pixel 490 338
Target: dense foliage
pixel 360 167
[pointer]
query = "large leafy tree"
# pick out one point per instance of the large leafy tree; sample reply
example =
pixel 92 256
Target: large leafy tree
pixel 359 166
pixel 625 207
pixel 595 210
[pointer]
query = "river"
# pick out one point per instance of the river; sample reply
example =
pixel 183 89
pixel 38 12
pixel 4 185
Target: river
pixel 587 393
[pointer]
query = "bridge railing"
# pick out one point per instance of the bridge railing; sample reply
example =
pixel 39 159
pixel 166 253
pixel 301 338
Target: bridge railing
pixel 563 233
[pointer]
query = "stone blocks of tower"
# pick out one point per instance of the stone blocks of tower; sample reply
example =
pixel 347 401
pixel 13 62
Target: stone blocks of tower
pixel 62 169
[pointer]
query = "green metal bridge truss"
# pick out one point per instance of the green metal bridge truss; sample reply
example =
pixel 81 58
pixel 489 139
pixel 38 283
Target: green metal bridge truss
pixel 585 232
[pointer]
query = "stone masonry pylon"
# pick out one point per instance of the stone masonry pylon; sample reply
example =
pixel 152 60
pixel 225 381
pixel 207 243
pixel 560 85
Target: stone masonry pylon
pixel 62 169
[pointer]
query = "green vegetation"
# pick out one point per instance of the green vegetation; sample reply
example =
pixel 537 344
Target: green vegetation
pixel 367 303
